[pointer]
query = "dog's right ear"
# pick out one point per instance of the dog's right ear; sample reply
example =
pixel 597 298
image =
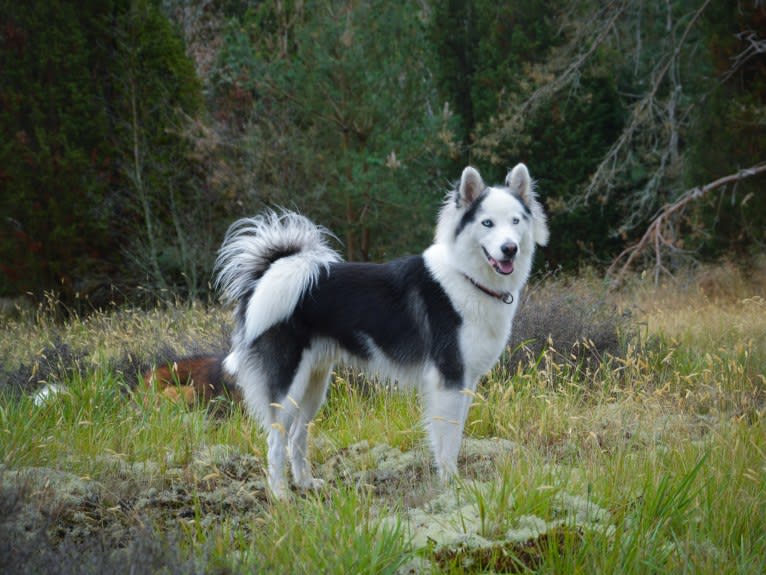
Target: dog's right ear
pixel 471 185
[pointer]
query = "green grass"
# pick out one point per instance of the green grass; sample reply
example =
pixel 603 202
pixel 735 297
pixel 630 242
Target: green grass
pixel 650 462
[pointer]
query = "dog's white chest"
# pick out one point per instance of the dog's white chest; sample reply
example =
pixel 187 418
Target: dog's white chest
pixel 486 322
pixel 484 334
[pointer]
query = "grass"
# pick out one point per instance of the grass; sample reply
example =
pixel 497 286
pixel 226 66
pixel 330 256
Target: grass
pixel 645 457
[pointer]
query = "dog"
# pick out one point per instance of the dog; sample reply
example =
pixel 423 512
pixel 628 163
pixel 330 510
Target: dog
pixel 439 320
pixel 191 380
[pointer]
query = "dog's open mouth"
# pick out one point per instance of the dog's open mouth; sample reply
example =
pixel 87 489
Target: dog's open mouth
pixel 504 267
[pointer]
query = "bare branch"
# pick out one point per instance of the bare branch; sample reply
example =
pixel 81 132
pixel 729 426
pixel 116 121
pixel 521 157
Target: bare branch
pixel 562 72
pixel 661 232
pixel 642 114
pixel 564 78
pixel 755 46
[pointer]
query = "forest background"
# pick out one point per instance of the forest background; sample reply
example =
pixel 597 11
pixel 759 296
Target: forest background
pixel 132 132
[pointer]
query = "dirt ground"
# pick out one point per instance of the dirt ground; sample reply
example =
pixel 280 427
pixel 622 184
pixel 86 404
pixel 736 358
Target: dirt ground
pixel 52 519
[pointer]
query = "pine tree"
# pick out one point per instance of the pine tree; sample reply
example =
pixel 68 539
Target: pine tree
pixel 75 78
pixel 345 117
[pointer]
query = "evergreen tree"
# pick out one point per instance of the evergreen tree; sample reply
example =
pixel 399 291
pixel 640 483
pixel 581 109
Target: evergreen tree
pixel 91 104
pixel 729 133
pixel 489 54
pixel 614 107
pixel 155 93
pixel 56 157
pixel 343 91
pixel 483 47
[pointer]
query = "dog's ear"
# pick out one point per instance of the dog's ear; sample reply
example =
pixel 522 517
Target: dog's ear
pixel 519 182
pixel 471 185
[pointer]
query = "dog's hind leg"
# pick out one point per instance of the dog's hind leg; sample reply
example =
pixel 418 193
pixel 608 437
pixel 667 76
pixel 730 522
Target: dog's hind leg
pixel 277 452
pixel 287 423
pixel 309 405
pixel 274 418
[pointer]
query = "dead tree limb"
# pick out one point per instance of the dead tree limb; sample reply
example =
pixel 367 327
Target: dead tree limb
pixel 660 234
pixel 642 118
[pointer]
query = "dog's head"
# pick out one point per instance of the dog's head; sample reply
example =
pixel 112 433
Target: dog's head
pixel 501 223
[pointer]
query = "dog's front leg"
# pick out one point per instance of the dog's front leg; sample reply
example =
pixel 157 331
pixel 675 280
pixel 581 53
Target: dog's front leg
pixel 446 409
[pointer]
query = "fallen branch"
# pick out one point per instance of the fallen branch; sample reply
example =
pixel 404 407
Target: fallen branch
pixel 660 232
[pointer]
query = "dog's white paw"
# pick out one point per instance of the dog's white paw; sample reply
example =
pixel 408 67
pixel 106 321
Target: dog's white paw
pixel 279 491
pixel 311 483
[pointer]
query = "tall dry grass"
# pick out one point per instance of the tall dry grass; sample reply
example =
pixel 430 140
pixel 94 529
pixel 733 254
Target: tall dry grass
pixel 633 428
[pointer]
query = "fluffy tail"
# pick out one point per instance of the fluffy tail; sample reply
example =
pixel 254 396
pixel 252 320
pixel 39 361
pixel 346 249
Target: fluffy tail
pixel 265 265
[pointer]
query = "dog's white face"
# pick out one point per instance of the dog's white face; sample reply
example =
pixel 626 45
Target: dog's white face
pixel 501 229
pixel 495 229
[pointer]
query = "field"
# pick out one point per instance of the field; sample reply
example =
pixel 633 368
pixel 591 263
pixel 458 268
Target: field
pixel 623 433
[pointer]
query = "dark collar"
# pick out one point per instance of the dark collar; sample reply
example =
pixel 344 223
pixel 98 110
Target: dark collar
pixel 503 296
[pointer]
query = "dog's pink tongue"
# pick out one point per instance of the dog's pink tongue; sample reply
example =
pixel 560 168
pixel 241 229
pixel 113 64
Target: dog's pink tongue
pixel 505 267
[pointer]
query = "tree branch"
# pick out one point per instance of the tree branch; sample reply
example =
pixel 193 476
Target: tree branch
pixel 660 234
pixel 641 114
pixel 755 46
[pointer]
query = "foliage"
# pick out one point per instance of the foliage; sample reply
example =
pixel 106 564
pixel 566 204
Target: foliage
pixel 483 49
pixel 133 131
pixel 155 92
pixel 729 131
pixel 93 162
pixel 344 118
pixel 612 102
pixel 56 159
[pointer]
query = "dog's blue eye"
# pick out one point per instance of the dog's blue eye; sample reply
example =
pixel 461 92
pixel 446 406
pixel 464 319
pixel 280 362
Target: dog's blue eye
pixel 516 221
pixel 487 223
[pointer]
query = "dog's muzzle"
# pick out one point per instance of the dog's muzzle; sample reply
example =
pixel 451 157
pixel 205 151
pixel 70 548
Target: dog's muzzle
pixel 503 266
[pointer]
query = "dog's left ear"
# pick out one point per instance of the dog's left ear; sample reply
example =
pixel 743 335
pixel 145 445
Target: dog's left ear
pixel 519 182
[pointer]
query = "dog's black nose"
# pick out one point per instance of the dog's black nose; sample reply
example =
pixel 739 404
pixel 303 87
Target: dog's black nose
pixel 509 249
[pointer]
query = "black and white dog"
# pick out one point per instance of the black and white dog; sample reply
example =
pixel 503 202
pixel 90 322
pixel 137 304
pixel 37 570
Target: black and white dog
pixel 439 320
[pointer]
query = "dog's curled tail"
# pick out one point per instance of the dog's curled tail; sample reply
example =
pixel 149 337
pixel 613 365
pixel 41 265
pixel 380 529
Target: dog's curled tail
pixel 253 245
pixel 265 265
